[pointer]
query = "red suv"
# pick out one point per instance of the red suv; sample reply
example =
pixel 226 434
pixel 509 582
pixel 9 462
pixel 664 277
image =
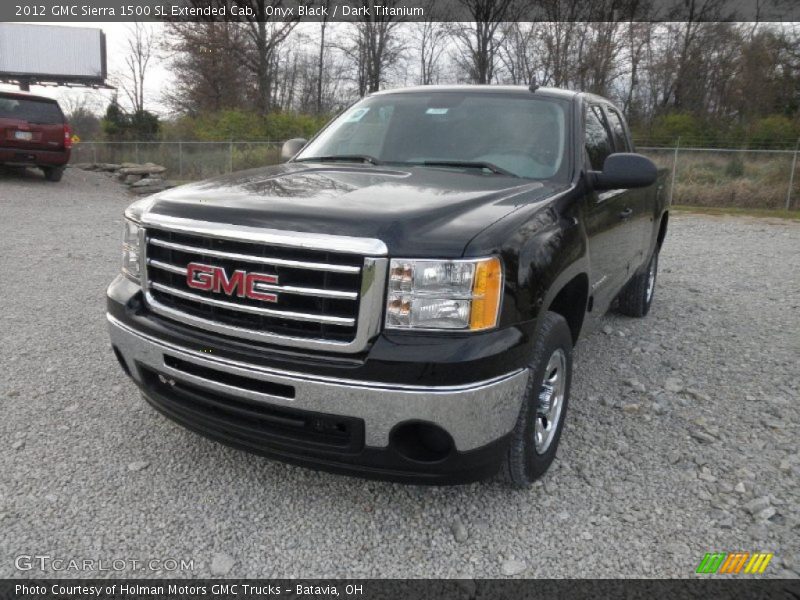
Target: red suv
pixel 34 133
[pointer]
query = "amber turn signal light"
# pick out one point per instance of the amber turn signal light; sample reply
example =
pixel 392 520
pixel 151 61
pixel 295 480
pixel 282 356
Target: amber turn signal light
pixel 486 291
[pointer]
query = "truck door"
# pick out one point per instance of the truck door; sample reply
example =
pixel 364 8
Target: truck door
pixel 641 221
pixel 607 217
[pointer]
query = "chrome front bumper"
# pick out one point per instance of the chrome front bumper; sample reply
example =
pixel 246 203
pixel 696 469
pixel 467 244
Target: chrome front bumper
pixel 474 414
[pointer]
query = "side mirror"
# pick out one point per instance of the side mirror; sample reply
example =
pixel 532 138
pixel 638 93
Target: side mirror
pixel 292 147
pixel 624 170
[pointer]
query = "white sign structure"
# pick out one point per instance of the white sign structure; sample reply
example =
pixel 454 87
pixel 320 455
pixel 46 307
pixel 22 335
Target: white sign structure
pixel 52 54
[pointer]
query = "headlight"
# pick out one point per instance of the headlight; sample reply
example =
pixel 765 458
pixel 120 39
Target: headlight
pixel 131 250
pixel 453 294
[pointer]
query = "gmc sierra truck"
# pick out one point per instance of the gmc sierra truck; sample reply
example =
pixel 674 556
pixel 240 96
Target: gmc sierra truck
pixel 400 298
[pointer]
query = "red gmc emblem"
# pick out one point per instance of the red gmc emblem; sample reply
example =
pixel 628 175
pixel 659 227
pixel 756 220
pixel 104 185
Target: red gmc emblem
pixel 241 283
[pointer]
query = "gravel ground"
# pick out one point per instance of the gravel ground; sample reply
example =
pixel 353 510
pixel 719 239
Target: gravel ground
pixel 681 438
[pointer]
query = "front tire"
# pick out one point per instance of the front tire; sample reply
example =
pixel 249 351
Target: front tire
pixel 535 438
pixel 636 297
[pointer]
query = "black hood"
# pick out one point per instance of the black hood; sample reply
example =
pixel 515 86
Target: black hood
pixel 420 211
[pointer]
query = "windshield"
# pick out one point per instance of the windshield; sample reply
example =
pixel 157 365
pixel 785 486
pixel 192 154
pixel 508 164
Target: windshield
pixel 31 110
pixel 507 134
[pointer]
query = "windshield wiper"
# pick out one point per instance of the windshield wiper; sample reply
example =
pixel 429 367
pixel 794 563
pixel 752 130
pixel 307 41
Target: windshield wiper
pixel 364 158
pixel 468 164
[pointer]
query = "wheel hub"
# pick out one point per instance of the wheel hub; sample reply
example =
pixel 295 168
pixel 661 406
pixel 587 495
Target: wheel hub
pixel 545 396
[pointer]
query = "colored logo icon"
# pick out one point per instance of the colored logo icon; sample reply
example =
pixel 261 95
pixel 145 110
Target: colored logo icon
pixel 734 563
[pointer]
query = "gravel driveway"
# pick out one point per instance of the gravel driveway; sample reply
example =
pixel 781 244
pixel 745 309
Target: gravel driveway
pixel 682 436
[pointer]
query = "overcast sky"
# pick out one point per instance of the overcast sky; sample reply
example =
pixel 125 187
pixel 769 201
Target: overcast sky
pixel 116 49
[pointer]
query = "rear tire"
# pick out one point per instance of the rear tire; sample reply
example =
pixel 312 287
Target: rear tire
pixel 637 295
pixel 53 173
pixel 535 438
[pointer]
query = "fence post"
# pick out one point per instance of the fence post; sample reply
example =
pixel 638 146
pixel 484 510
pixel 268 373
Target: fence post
pixel 136 150
pixel 94 153
pixel 180 160
pixel 230 156
pixel 674 170
pixel 791 176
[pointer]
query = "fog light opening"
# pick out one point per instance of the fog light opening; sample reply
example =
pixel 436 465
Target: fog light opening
pixel 121 361
pixel 421 442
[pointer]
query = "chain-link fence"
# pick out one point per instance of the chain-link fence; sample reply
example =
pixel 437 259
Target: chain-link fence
pixel 746 178
pixel 184 160
pixel 731 177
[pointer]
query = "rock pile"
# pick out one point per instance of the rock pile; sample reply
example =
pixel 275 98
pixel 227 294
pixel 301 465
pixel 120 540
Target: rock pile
pixel 146 178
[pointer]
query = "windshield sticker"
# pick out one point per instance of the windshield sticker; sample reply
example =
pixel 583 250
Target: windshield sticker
pixel 436 111
pixel 356 115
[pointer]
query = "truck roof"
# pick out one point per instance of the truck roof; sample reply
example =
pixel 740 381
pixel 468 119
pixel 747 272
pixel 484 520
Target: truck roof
pixel 25 96
pixel 500 89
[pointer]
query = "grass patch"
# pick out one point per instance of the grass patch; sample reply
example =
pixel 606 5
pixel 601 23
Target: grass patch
pixel 738 179
pixel 792 215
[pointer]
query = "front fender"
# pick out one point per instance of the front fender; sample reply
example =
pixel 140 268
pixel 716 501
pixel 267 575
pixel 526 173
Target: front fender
pixel 543 247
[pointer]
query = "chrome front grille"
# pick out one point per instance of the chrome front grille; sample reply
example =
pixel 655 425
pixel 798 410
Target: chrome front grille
pixel 324 299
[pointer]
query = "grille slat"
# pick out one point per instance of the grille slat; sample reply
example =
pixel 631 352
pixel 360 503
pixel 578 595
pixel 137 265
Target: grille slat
pixel 284 289
pixel 317 291
pixel 279 262
pixel 256 310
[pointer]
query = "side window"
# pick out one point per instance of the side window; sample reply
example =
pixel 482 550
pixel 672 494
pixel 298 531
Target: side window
pixel 617 130
pixel 598 140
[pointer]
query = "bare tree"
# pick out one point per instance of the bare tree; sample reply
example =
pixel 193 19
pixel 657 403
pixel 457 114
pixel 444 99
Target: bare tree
pixel 141 49
pixel 521 52
pixel 204 76
pixel 562 39
pixel 688 45
pixel 430 37
pixel 305 79
pixel 637 37
pixel 263 36
pixel 331 69
pixel 82 109
pixel 375 48
pixel 599 64
pixel 323 26
pixel 479 41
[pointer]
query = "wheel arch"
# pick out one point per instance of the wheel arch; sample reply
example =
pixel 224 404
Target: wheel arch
pixel 571 301
pixel 662 230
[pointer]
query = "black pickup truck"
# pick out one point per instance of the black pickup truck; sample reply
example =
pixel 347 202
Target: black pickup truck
pixel 400 298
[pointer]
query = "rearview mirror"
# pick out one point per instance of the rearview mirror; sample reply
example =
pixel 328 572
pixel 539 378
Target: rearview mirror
pixel 292 147
pixel 624 170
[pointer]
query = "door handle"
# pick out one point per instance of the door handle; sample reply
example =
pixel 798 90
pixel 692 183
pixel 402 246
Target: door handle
pixel 626 214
